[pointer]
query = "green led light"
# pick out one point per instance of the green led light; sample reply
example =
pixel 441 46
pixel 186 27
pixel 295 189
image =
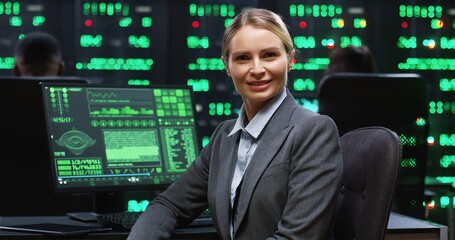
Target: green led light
pixel 216 10
pixel 125 22
pixel 408 140
pixel 8 10
pixel 94 8
pixel 220 109
pixel 312 64
pixel 447 85
pixel 110 9
pixel 436 24
pixel 326 42
pixel 16 8
pixel 447 161
pixel 337 23
pixel 139 82
pixel 7 62
pixel 117 64
pixel 408 163
pixel 446 140
pixel 444 201
pixel 38 20
pixel 415 11
pixel 292 10
pixel 15 21
pixel 404 42
pixel 323 10
pixel 316 12
pixel 227 22
pixel 135 206
pixel 147 22
pixel 427 64
pixel 197 42
pixel 440 107
pixel 139 41
pixel 447 43
pixel 192 8
pixel 199 85
pixel 91 41
pixel 304 42
pixel 206 64
pixel 304 84
pixel 308 104
pixel 205 141
pixel 421 121
pixel 346 41
pixel 360 23
pixel 126 10
pixel 103 8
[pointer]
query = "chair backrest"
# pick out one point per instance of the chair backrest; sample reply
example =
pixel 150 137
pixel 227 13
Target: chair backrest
pixel 396 101
pixel 371 157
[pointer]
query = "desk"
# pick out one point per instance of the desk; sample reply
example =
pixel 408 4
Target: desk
pixel 402 227
pixel 399 227
pixel 182 234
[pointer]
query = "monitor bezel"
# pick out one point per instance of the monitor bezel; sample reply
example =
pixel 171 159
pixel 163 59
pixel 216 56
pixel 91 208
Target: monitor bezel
pixel 113 188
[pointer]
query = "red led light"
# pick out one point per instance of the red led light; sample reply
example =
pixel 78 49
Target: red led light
pixel 88 23
pixel 430 205
pixel 302 24
pixel 404 25
pixel 195 24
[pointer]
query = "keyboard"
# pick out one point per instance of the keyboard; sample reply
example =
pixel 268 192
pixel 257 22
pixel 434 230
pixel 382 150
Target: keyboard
pixel 126 220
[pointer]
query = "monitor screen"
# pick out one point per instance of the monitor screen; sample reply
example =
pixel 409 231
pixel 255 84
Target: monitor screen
pixel 107 138
pixel 24 152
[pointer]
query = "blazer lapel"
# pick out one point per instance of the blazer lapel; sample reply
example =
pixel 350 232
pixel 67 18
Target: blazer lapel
pixel 274 136
pixel 228 152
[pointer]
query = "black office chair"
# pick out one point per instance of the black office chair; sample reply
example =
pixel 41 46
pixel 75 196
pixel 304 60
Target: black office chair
pixel 395 101
pixel 371 158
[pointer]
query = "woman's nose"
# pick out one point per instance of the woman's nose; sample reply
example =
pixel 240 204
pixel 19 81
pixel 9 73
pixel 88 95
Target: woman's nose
pixel 257 67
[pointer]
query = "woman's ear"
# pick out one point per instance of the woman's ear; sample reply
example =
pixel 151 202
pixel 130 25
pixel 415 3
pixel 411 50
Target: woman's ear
pixel 226 66
pixel 292 59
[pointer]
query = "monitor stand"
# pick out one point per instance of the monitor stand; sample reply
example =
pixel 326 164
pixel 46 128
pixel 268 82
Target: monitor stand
pixel 105 202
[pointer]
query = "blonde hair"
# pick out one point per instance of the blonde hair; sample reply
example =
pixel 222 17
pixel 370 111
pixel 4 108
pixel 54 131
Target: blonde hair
pixel 260 18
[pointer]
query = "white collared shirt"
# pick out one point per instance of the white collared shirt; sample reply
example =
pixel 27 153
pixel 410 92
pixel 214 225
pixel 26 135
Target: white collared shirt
pixel 249 138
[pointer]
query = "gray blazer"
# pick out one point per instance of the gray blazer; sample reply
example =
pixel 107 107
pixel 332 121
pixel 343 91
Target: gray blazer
pixel 289 189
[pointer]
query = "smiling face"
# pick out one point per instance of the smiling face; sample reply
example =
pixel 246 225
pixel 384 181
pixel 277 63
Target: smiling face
pixel 258 64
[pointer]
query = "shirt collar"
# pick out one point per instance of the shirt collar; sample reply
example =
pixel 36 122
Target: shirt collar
pixel 257 124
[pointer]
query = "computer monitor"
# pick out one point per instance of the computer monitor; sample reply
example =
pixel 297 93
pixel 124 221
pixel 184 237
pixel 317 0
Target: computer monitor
pixel 25 177
pixel 119 138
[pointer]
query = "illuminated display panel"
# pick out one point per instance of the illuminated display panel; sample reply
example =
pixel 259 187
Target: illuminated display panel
pixel 317 28
pixel 18 18
pixel 119 138
pixel 121 41
pixel 426 45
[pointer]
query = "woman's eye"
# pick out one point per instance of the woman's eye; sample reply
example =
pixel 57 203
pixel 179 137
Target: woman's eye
pixel 242 58
pixel 270 54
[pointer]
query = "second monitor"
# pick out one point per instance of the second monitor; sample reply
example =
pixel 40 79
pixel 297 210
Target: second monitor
pixel 114 138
